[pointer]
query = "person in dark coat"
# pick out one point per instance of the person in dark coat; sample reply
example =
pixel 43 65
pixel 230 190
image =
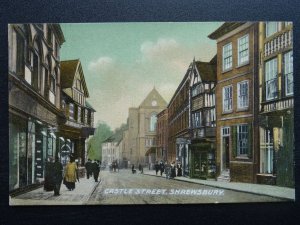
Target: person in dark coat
pixel 88 167
pixel 96 170
pixel 162 167
pixel 141 168
pixel 132 169
pixel 48 182
pixel 179 169
pixel 157 167
pixel 57 175
pixel 173 170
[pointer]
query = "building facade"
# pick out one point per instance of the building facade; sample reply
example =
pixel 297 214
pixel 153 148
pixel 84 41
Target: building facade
pixel 110 151
pixel 276 108
pixel 34 100
pixel 203 119
pixel 142 124
pixel 79 113
pixel 162 134
pixel 179 123
pixel 236 101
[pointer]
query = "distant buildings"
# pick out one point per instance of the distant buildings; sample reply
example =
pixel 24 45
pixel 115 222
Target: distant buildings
pixel 139 142
pixel 111 151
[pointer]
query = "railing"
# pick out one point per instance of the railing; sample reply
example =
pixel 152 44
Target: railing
pixel 281 41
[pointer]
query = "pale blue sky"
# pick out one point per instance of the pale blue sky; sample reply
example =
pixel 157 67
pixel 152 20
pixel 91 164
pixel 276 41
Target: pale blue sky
pixel 123 61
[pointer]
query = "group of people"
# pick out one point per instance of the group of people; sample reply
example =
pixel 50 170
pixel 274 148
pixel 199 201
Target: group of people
pixel 169 169
pixel 92 169
pixel 141 168
pixel 54 175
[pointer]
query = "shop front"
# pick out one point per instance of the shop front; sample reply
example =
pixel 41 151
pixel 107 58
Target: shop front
pixel 183 154
pixel 203 160
pixel 31 142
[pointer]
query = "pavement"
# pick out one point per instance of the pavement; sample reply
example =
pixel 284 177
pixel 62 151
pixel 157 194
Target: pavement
pixel 79 196
pixel 260 189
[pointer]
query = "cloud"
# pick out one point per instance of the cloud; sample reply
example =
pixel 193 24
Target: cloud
pixel 100 64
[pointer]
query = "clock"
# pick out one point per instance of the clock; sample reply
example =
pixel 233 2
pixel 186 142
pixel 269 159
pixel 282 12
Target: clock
pixel 154 103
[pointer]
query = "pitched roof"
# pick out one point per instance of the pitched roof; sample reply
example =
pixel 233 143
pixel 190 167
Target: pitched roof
pixel 207 70
pixel 224 29
pixel 68 71
pixel 88 105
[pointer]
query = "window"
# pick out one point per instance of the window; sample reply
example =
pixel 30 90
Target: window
pixel 243 50
pixel 288 23
pixel 52 84
pixel 288 73
pixel 227 98
pixel 225 131
pixel 271 79
pixel 242 139
pixel 271 28
pixel 71 111
pixel 153 121
pixel 243 94
pixel 227 56
pixel 267 151
pixel 20 55
pixel 79 114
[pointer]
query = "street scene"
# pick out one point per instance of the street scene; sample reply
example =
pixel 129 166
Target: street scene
pixel 124 188
pixel 151 113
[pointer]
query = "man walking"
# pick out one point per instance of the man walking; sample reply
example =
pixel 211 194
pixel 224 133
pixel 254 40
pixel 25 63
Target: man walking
pixel 57 175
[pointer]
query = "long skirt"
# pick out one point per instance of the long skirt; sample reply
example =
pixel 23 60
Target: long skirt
pixel 70 185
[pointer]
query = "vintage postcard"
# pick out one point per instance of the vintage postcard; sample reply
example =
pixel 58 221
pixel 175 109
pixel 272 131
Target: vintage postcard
pixel 151 113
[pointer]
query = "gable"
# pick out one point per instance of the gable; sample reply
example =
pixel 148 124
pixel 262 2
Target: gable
pixel 153 99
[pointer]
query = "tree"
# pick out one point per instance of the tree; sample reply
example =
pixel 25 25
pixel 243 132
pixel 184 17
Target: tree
pixel 103 131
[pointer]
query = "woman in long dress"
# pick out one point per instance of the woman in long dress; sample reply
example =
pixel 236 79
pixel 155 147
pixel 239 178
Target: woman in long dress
pixel 70 174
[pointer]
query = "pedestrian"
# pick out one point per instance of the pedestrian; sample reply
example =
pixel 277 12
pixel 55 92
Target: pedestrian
pixel 96 170
pixel 48 182
pixel 179 169
pixel 162 167
pixel 157 167
pixel 168 170
pixel 71 174
pixel 132 169
pixel 88 167
pixel 57 175
pixel 173 170
pixel 141 168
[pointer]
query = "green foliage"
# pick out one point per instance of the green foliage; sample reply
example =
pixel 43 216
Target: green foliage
pixel 118 133
pixel 102 132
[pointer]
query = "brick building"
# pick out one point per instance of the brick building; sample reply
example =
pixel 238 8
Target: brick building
pixel 179 123
pixel 162 134
pixel 236 101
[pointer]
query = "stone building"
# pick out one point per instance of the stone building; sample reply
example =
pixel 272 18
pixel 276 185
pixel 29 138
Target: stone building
pixel 34 100
pixel 179 123
pixel 79 113
pixel 162 134
pixel 142 121
pixel 236 101
pixel 276 108
pixel 203 119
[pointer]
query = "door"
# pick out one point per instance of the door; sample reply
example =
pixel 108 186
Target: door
pixel 200 165
pixel 225 153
